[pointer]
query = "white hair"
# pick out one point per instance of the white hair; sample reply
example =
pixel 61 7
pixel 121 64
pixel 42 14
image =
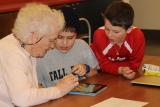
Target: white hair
pixel 37 18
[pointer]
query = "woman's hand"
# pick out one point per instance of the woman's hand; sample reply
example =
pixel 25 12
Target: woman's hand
pixel 67 83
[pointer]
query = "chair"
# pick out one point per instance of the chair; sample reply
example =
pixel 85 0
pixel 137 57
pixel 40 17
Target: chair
pixel 88 35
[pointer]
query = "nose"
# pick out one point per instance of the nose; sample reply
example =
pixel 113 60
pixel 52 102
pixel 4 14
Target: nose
pixel 65 42
pixel 111 35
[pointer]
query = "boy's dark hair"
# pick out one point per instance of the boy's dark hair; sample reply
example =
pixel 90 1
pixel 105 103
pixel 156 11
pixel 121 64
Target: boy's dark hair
pixel 72 23
pixel 119 14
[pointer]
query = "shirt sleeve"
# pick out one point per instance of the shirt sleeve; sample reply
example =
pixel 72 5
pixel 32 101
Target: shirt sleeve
pixel 88 56
pixel 104 63
pixel 138 50
pixel 17 72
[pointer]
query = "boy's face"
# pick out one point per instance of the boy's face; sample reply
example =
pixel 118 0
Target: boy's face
pixel 65 41
pixel 116 34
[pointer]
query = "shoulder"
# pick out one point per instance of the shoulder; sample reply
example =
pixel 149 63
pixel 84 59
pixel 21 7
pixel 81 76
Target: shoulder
pixel 81 45
pixel 100 38
pixel 100 34
pixel 9 45
pixel 100 30
pixel 4 41
pixel 136 33
pixel 80 42
pixel 136 37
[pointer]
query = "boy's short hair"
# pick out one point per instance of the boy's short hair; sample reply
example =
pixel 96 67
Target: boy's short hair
pixel 119 14
pixel 72 23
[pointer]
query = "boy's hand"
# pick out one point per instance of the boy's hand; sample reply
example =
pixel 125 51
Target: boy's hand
pixel 66 84
pixel 79 69
pixel 127 72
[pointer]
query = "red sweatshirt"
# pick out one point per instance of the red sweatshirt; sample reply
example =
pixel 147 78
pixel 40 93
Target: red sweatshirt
pixel 111 56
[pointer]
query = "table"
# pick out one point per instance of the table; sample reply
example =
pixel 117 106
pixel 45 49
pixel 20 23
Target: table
pixel 118 87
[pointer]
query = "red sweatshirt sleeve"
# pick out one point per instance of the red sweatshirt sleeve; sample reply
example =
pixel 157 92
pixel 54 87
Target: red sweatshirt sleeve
pixel 138 46
pixel 106 65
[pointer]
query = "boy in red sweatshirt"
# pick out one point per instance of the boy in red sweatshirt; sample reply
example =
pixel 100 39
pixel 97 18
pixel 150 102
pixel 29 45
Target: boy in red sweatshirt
pixel 118 45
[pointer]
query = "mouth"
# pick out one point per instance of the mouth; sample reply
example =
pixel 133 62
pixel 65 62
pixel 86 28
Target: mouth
pixel 64 48
pixel 111 40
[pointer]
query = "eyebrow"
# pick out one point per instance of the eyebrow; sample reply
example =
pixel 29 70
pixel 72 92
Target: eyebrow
pixel 67 36
pixel 116 30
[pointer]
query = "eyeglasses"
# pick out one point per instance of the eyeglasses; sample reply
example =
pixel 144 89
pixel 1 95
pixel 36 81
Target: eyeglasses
pixel 23 44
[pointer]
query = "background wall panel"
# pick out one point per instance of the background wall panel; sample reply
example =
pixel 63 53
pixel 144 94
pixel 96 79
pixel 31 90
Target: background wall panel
pixel 147 13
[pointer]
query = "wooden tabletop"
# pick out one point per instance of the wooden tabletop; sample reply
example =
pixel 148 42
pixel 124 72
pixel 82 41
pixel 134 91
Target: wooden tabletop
pixel 118 87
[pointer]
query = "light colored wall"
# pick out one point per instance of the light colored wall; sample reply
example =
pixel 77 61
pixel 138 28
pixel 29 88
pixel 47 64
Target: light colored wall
pixel 147 13
pixel 127 1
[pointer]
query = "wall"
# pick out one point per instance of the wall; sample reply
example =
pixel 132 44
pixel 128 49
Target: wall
pixel 127 1
pixel 9 8
pixel 90 9
pixel 147 13
pixel 147 17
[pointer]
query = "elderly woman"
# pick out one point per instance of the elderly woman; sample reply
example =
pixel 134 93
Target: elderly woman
pixel 35 29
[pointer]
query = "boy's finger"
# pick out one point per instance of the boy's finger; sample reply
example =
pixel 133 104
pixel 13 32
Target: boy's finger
pixel 74 70
pixel 127 72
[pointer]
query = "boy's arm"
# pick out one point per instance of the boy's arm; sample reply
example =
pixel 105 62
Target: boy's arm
pixel 99 39
pixel 138 52
pixel 138 47
pixel 104 63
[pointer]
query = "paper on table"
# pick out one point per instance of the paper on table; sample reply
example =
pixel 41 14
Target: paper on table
pixel 117 102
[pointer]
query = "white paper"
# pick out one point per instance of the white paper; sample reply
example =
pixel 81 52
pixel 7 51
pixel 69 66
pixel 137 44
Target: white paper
pixel 117 102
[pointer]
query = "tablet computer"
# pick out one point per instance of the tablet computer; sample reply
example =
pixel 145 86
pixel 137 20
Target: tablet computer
pixel 88 89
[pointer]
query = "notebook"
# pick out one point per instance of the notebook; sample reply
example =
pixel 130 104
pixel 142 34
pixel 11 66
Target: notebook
pixel 147 80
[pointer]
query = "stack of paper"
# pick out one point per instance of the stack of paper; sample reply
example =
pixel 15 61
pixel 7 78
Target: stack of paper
pixel 117 102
